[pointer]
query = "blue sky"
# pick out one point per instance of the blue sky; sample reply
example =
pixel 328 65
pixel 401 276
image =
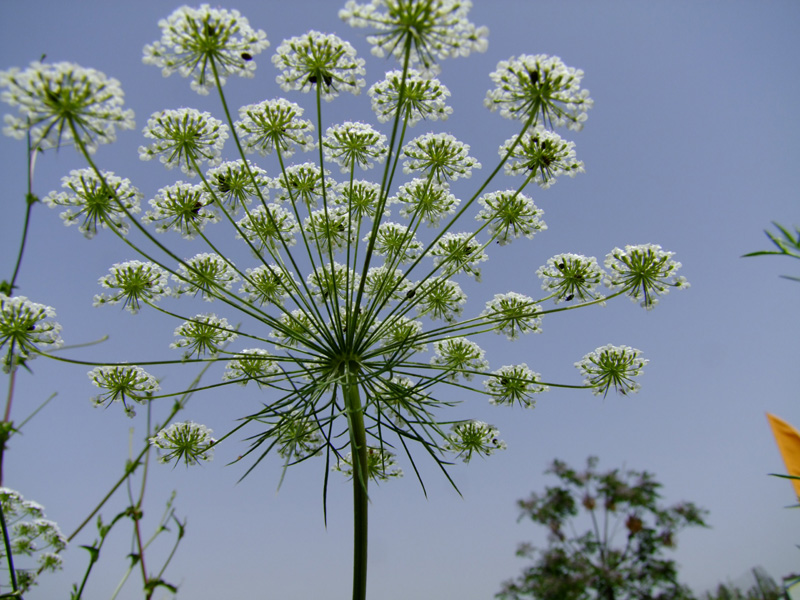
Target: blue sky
pixel 691 145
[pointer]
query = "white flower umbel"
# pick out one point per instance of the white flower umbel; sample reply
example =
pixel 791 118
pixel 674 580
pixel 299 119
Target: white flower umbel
pixel 255 364
pixel 612 366
pixel 360 198
pixel 133 282
pixel 381 465
pixel 26 330
pixel 204 334
pixel 207 274
pixel 268 227
pixel 644 272
pixel 422 98
pixel 459 357
pixel 30 536
pixel 396 243
pixel 267 284
pixel 233 185
pixel 184 137
pixel 459 253
pixel 514 384
pixel 331 229
pixel 123 382
pixel 433 31
pixel 274 124
pixel 57 101
pixel 91 201
pixel 331 281
pixel 384 284
pixel 540 155
pixel 473 437
pixel 510 214
pixel 440 156
pixel 426 201
pixel 303 184
pixel 571 276
pixel 297 436
pixel 197 41
pixel 512 313
pixel 539 87
pixel 351 144
pixel 439 299
pixel 182 207
pixel 319 59
pixel 190 442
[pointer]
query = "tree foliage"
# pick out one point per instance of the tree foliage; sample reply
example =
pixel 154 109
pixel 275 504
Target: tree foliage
pixel 621 556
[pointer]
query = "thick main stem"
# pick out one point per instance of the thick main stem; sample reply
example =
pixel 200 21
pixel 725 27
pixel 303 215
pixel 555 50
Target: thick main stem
pixel 358 446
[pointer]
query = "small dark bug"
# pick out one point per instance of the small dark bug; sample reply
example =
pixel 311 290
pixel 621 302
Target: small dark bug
pixel 222 184
pixel 247 56
pixel 534 75
pixel 410 294
pixel 570 297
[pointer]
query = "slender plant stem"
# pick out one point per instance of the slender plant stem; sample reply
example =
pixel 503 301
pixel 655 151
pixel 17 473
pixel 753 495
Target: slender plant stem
pixel 9 556
pixel 358 447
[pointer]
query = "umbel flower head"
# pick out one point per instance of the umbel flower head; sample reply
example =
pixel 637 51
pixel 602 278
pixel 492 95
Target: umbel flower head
pixel 92 201
pixel 539 88
pixel 540 155
pixel 57 102
pixel 199 41
pixel 181 207
pixel 644 272
pixel 184 137
pixel 422 98
pixel 123 382
pixel 612 366
pixel 431 30
pixel 319 61
pixel 190 442
pixel 30 535
pixel 26 330
pixel 274 125
pixel 133 282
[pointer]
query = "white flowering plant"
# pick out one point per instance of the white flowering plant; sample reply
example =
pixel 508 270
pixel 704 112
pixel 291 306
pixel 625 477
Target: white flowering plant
pixel 353 318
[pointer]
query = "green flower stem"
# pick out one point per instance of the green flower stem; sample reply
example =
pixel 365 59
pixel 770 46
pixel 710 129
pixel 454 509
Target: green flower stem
pixel 358 447
pixel 9 556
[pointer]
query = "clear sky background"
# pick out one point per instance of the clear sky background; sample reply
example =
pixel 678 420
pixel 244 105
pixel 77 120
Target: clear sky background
pixel 692 144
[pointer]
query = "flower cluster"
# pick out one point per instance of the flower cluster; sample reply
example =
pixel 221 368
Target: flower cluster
pixel 63 103
pixel 26 330
pixel 473 437
pixel 319 61
pixel 121 382
pixel 569 276
pixel 541 88
pixel 347 287
pixel 411 99
pixel 190 442
pixel 381 465
pixel 184 137
pixel 643 272
pixel 91 200
pixel 29 534
pixel 133 282
pixel 206 43
pixel 437 30
pixel 612 366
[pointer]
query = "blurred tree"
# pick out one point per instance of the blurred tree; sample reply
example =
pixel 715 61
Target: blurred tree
pixel 590 565
pixel 764 588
